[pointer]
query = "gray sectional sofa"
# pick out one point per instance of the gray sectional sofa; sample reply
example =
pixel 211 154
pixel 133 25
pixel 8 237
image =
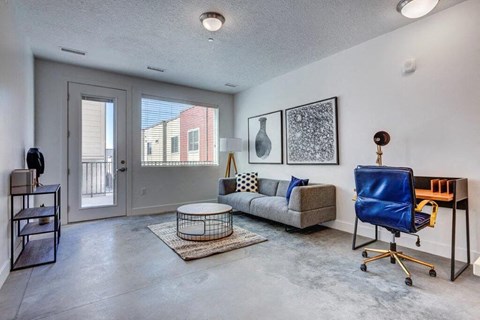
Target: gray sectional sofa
pixel 308 205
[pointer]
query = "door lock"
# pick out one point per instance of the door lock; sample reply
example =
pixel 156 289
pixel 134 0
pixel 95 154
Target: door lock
pixel 122 169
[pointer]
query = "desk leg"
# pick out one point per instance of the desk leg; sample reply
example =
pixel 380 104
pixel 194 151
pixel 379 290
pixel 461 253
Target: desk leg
pixel 354 246
pixel 454 275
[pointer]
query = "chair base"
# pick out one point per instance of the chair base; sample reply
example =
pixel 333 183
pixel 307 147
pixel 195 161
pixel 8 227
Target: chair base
pixel 396 256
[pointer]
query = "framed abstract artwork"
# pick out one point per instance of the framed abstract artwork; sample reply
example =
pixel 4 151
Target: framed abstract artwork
pixel 265 138
pixel 312 133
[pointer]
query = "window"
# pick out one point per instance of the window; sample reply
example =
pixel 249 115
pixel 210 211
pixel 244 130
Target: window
pixel 174 144
pixel 193 140
pixel 187 133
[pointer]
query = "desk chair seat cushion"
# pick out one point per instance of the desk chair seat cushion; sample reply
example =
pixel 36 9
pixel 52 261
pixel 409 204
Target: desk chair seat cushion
pixel 422 220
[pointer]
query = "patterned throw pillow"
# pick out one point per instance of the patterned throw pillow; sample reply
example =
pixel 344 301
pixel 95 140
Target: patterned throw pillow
pixel 247 182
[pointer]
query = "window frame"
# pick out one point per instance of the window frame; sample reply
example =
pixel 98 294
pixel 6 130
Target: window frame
pixel 177 144
pixel 197 130
pixel 149 148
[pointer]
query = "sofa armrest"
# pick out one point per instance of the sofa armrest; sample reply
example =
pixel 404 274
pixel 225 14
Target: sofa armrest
pixel 227 186
pixel 312 197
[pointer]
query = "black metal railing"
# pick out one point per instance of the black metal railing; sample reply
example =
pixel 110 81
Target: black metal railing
pixel 97 178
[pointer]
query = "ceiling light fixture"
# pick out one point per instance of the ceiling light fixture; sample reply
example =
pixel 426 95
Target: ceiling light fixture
pixel 212 21
pixel 416 8
pixel 82 53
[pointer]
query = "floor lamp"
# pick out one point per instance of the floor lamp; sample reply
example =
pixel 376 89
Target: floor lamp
pixel 230 145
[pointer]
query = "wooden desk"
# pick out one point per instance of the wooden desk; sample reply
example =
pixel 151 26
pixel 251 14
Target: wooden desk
pixel 457 199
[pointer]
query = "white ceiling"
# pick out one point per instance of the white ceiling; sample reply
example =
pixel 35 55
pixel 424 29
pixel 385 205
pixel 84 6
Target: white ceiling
pixel 261 39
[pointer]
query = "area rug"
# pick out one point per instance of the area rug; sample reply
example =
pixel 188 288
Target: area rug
pixel 190 250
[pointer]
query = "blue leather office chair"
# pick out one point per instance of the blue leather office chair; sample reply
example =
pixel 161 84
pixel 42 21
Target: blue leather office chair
pixel 386 198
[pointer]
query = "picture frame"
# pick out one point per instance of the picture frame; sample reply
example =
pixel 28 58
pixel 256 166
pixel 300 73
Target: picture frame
pixel 265 138
pixel 312 133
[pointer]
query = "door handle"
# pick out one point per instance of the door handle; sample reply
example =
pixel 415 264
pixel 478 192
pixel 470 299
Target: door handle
pixel 122 169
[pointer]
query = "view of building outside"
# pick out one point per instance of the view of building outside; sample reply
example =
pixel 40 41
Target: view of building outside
pixel 178 134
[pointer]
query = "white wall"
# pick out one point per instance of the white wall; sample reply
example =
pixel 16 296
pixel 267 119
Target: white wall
pixel 165 187
pixel 433 115
pixel 16 121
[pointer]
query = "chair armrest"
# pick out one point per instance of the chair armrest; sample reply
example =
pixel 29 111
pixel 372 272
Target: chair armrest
pixel 227 186
pixel 312 197
pixel 433 215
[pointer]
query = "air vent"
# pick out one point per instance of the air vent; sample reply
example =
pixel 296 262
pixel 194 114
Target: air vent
pixel 231 85
pixel 81 53
pixel 155 69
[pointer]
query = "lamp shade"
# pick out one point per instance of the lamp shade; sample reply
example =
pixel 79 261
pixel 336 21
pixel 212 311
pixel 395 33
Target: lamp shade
pixel 230 144
pixel 416 8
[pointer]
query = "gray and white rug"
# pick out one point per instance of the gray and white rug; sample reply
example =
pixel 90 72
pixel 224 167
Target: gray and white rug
pixel 190 250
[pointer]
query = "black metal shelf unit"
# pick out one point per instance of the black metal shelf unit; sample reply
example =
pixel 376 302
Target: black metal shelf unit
pixel 26 222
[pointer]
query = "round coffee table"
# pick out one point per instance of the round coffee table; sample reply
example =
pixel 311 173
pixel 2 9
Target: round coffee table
pixel 204 221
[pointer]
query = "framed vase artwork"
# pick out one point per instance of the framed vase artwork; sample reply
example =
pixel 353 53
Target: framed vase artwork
pixel 265 138
pixel 312 133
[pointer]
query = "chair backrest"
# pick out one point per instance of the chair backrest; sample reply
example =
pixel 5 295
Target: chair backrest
pixel 386 197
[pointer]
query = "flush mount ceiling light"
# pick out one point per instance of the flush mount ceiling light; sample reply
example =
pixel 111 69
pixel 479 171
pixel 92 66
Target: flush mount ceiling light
pixel 416 8
pixel 212 21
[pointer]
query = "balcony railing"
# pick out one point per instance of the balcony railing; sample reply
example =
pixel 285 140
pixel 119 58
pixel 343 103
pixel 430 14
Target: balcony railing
pixel 97 178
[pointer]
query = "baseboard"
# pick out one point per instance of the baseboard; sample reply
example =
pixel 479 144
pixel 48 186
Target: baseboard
pixel 164 208
pixel 4 272
pixel 428 246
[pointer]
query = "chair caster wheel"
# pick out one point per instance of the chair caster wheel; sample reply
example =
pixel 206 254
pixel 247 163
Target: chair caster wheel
pixel 408 281
pixel 363 267
pixel 432 273
pixel 364 254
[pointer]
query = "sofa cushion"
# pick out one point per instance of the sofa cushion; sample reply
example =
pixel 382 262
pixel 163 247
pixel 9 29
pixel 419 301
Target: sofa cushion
pixel 282 188
pixel 267 187
pixel 273 208
pixel 240 200
pixel 247 182
pixel 295 182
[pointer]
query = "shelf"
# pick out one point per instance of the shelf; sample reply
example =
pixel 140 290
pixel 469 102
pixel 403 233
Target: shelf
pixel 53 188
pixel 426 194
pixel 36 252
pixel 40 249
pixel 36 228
pixel 35 213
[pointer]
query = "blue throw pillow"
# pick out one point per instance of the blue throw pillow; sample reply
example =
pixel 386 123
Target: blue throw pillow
pixel 295 182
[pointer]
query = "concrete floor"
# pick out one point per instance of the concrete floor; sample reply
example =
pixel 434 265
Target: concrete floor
pixel 118 269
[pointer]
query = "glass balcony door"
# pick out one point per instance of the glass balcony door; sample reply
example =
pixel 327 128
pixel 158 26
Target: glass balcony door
pixel 97 152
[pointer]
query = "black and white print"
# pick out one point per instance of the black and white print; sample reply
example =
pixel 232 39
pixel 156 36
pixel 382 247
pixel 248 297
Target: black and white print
pixel 247 182
pixel 265 138
pixel 312 133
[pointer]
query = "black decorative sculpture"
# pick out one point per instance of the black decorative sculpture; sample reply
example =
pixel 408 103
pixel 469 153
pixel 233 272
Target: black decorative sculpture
pixel 263 144
pixel 381 138
pixel 36 161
